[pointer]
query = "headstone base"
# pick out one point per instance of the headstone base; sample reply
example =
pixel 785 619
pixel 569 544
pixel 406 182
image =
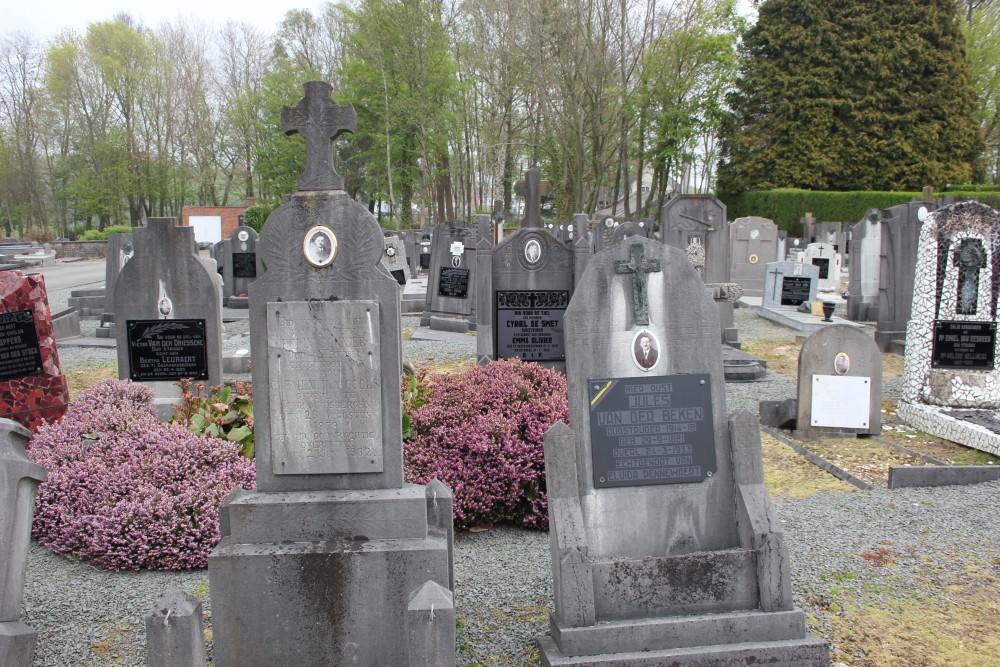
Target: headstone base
pixel 790 317
pixel 738 638
pixel 17 644
pixel 333 570
pixel 452 324
pixel 238 302
pixel 941 422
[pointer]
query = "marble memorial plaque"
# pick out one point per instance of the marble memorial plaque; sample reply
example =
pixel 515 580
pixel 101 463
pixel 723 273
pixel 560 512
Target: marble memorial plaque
pixel 651 430
pixel 162 350
pixel 794 290
pixel 325 390
pixel 19 352
pixel 530 324
pixel 964 344
pixel 840 402
pixel 244 265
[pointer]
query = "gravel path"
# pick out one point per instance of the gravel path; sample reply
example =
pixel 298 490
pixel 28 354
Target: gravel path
pixel 503 576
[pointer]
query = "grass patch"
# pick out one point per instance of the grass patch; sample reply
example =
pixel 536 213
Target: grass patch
pixel 955 626
pixel 80 379
pixel 892 365
pixel 443 365
pixel 864 458
pixel 788 475
pixel 782 356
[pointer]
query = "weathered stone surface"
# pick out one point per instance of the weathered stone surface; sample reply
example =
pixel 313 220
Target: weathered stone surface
pixel 430 625
pixel 452 273
pixel 907 476
pixel 897 269
pixel 753 244
pixel 175 635
pixel 789 284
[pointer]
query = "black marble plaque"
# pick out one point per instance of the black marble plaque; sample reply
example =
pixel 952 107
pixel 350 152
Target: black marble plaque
pixel 425 260
pixel 529 324
pixel 399 275
pixel 244 265
pixel 453 282
pixel 824 266
pixel 167 349
pixel 795 290
pixel 19 352
pixel 651 430
pixel 968 345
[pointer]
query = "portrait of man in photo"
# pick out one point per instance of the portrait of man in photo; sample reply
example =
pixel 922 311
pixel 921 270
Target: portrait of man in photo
pixel 320 247
pixel 646 350
pixel 842 363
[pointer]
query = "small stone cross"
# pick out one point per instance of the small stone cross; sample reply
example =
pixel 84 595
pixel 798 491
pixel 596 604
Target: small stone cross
pixel 774 289
pixel 532 200
pixel 638 267
pixel 319 120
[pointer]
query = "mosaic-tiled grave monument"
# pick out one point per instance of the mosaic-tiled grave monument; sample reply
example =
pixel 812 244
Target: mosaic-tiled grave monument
pixel 19 479
pixel 839 384
pixel 530 288
pixel 33 389
pixel 333 559
pixel 666 549
pixel 168 313
pixel 951 384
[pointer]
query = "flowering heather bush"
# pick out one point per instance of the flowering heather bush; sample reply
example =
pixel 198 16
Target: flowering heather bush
pixel 127 492
pixel 481 432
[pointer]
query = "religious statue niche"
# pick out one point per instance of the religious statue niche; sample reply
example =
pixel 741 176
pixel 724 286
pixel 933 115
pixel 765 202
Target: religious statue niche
pixel 970 258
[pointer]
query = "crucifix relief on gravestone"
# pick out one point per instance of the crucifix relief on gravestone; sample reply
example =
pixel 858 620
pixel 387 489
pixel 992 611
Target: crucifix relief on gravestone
pixel 319 120
pixel 638 267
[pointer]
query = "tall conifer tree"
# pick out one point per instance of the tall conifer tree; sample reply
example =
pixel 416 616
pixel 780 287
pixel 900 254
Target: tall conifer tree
pixel 852 95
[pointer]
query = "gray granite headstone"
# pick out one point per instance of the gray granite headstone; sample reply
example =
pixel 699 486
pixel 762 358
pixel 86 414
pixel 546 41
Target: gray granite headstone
pixel 168 313
pixel 323 558
pixel 451 278
pixel 394 259
pixel 697 226
pixel 242 263
pixel 665 546
pixel 19 479
pixel 839 384
pixel 531 286
pixel 119 251
pixel 862 284
pixel 897 267
pixel 753 243
pixel 789 284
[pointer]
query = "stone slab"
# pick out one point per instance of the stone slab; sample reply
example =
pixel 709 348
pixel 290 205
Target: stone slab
pixel 236 362
pixel 66 324
pixel 936 421
pixel 791 653
pixel 449 324
pixel 740 366
pixel 792 318
pixel 391 514
pixel 907 476
pixel 17 644
pixel 655 634
pixel 426 333
pixel 328 602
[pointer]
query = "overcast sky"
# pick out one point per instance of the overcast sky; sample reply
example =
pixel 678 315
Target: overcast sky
pixel 44 18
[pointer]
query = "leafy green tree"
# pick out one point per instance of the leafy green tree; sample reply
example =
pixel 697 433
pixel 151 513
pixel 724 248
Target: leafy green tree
pixel 852 95
pixel 983 35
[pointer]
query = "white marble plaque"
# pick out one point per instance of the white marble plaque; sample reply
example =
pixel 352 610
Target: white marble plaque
pixel 325 387
pixel 841 402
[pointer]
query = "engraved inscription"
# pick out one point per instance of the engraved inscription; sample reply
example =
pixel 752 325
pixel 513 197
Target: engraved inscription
pixel 325 387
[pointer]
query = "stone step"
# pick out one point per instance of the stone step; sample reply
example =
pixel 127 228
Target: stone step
pixel 674 632
pixel 808 652
pixel 87 293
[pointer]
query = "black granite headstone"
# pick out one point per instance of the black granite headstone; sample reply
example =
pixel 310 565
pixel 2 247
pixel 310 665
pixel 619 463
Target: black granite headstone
pixel 795 290
pixel 454 282
pixel 824 266
pixel 244 265
pixel 167 350
pixel 651 430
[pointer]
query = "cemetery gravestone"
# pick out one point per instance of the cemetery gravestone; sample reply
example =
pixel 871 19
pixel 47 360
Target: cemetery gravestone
pixel 33 389
pixel 897 266
pixel 951 383
pixel 705 582
pixel 451 279
pixel 425 251
pixel 168 312
pixel 394 259
pixel 840 384
pixel 602 233
pixel 825 232
pixel 242 265
pixel 19 480
pixel 790 284
pixel 119 251
pixel 824 256
pixel 326 558
pixel 531 286
pixel 696 225
pixel 753 243
pixel 862 286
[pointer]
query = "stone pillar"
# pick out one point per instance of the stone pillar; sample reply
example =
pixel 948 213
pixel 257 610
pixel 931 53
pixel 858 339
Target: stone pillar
pixel 430 624
pixel 175 636
pixel 19 479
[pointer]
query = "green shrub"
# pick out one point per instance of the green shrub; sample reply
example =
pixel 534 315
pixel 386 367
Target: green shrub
pixel 91 235
pixel 115 229
pixel 255 216
pixel 224 412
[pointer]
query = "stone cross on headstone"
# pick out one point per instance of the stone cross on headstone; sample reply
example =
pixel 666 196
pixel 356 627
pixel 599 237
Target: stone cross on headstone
pixel 319 120
pixel 638 267
pixel 532 200
pixel 777 283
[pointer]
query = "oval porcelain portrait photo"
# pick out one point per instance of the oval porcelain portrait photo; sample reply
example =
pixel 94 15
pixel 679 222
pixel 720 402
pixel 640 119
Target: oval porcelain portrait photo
pixel 320 246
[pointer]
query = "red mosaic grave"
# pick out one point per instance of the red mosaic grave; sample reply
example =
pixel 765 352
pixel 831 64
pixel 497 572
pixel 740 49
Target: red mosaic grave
pixel 32 388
